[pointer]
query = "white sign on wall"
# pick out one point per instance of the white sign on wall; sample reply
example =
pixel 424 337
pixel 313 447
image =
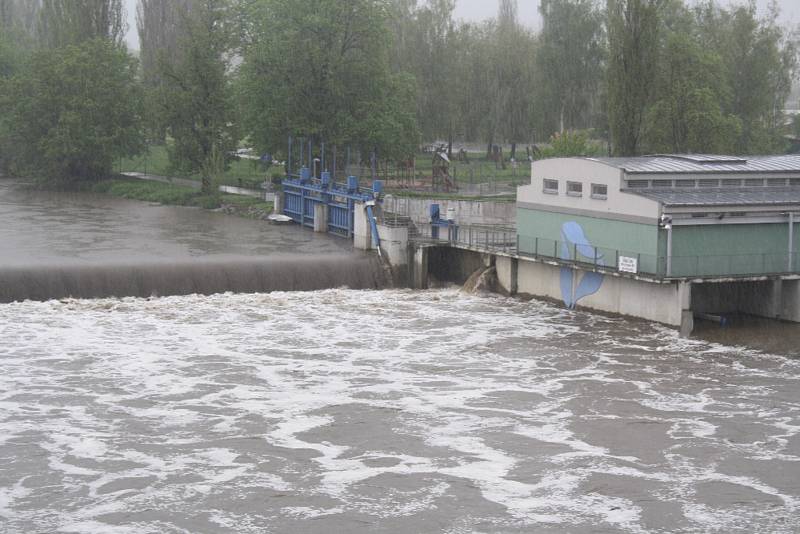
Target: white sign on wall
pixel 628 265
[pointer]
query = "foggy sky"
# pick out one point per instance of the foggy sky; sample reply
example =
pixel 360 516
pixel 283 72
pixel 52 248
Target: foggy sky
pixel 475 10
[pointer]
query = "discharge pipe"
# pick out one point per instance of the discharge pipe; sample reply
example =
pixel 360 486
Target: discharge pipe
pixel 376 240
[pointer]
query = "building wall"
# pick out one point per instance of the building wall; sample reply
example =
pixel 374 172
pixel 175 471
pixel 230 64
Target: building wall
pixel 540 233
pixel 721 249
pixel 618 205
pixel 663 303
pixel 620 224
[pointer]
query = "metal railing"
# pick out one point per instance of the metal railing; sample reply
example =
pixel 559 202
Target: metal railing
pixel 503 239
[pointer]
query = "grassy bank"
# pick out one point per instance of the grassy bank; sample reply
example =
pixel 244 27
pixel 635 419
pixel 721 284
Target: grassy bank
pixel 175 195
pixel 240 173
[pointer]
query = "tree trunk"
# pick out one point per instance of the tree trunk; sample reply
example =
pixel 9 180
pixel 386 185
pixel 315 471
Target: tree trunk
pixel 514 151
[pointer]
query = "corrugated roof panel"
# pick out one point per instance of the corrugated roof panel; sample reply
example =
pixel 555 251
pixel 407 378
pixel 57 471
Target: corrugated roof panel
pixel 721 197
pixel 699 164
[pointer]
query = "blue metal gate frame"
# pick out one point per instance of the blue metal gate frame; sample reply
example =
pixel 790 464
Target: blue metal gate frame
pixel 302 193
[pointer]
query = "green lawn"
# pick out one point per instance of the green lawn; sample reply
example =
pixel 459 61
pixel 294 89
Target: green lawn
pixel 241 172
pixel 176 195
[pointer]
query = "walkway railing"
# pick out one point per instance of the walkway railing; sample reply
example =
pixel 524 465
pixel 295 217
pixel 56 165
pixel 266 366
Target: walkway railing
pixel 501 239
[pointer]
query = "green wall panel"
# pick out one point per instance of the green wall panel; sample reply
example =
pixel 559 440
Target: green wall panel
pixel 730 249
pixel 540 233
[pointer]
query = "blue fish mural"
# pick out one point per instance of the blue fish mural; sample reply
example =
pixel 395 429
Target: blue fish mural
pixel 574 241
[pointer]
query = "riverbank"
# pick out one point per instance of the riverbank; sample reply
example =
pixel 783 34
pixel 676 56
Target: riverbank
pixel 179 195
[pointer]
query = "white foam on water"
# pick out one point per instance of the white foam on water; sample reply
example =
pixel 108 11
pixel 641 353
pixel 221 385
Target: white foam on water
pixel 222 398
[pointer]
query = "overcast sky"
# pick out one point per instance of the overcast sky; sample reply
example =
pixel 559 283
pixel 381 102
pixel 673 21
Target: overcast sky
pixel 474 10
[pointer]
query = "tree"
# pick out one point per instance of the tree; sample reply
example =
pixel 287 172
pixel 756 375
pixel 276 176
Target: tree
pixel 320 70
pixel 759 64
pixel 569 62
pixel 633 40
pixel 65 22
pixel 73 111
pixel 688 114
pixel 195 92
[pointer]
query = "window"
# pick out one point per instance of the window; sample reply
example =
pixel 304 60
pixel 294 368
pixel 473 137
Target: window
pixel 574 189
pixel 731 182
pixel 662 183
pixel 754 182
pixel 709 183
pixel 600 191
pixel 685 183
pixel 551 187
pixel 638 184
pixel 776 181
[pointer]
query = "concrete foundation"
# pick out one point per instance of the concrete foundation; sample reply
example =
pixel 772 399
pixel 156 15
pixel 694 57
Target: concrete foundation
pixel 321 218
pixel 278 203
pixel 420 268
pixel 394 244
pixel 663 303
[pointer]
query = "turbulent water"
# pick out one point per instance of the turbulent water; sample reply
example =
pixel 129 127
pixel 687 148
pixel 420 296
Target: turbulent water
pixel 385 411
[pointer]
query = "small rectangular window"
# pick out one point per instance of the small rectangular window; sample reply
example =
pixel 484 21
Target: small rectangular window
pixel 662 183
pixel 551 187
pixel 776 182
pixel 600 191
pixel 638 184
pixel 574 189
pixel 730 182
pixel 754 182
pixel 709 183
pixel 685 183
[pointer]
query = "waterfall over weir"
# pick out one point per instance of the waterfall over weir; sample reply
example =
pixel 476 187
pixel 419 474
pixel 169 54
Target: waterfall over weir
pixel 220 274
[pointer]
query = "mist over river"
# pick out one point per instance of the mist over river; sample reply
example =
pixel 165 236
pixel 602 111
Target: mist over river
pixel 342 410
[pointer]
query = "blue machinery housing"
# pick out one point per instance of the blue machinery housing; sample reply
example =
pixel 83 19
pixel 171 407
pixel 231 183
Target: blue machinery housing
pixel 302 193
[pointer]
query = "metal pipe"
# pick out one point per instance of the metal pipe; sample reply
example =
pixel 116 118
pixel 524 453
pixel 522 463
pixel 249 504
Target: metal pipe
pixel 791 241
pixel 322 158
pixel 669 250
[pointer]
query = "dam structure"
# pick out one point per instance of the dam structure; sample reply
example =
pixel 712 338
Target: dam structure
pixel 667 238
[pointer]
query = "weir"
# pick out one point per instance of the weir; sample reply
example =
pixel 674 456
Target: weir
pixel 184 277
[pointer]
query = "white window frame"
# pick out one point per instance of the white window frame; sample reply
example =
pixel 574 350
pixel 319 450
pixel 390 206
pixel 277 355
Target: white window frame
pixel 600 196
pixel 575 193
pixel 549 190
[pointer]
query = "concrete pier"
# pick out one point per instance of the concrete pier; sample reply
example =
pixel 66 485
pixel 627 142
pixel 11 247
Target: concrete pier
pixel 362 234
pixel 321 218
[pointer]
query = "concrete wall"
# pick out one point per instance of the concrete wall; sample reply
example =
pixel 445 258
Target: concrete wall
pixel 663 303
pixel 618 205
pixel 467 211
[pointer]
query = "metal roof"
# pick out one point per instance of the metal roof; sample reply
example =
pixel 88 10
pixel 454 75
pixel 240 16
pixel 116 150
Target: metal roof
pixel 700 164
pixel 723 197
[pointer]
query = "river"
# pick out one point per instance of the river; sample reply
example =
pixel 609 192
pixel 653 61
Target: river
pixel 391 411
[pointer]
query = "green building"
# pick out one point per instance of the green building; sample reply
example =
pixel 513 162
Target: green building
pixel 665 216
